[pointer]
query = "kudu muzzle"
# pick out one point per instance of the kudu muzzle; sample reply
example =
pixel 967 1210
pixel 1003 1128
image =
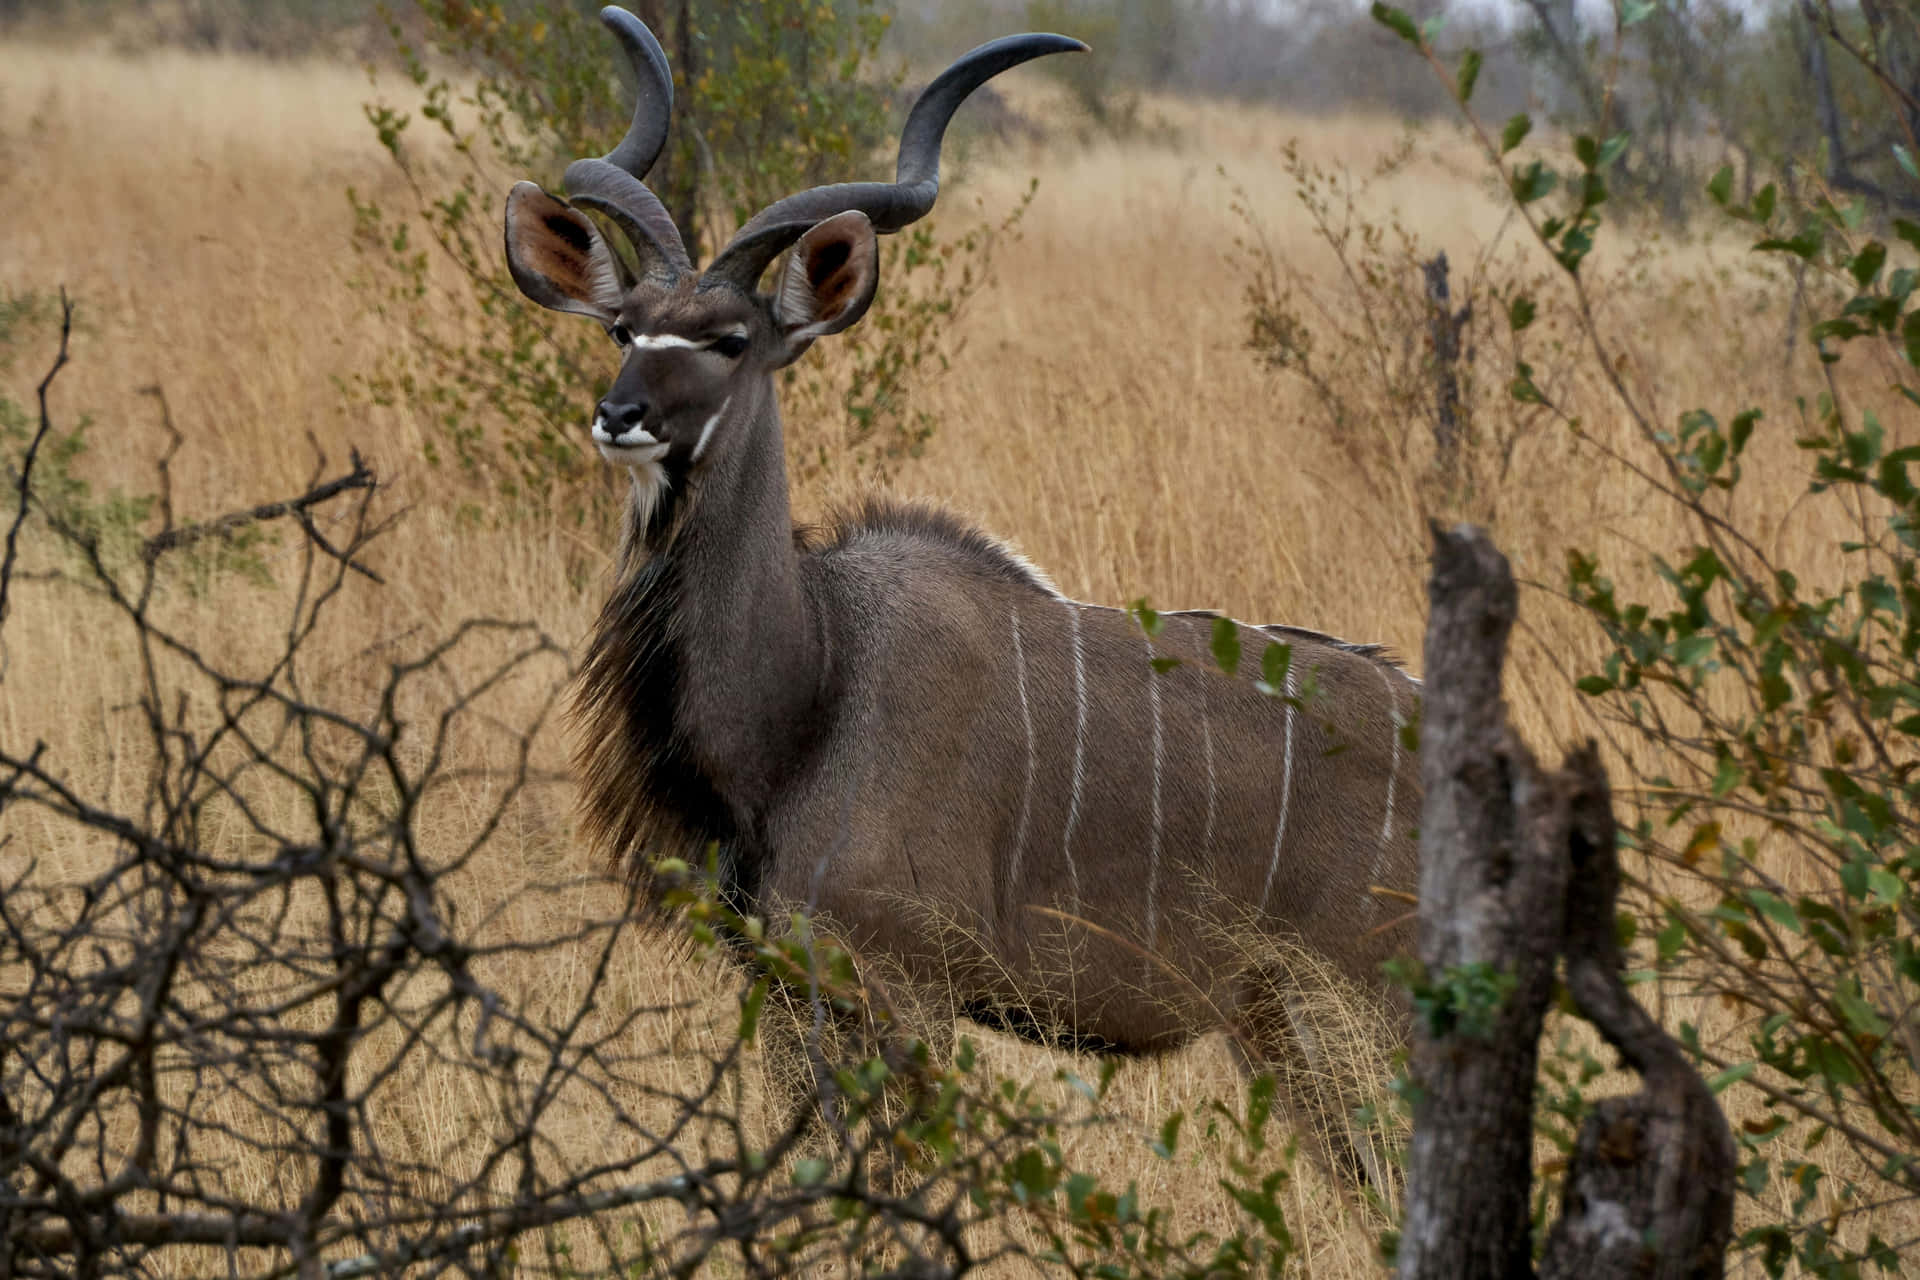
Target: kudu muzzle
pixel 622 413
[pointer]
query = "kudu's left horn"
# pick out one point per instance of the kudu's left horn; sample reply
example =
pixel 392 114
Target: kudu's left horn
pixel 612 184
pixel 890 205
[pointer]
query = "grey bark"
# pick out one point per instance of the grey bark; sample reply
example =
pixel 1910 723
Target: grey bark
pixel 1518 867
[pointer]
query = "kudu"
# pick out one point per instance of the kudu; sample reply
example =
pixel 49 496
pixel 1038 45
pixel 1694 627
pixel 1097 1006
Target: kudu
pixel 900 710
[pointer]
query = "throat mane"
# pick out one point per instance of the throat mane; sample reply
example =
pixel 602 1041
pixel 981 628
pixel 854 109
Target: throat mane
pixel 643 798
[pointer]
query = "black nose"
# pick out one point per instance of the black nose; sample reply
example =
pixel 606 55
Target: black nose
pixel 621 418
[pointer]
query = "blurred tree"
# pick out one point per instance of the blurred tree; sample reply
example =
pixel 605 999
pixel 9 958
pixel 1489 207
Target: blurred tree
pixel 1757 84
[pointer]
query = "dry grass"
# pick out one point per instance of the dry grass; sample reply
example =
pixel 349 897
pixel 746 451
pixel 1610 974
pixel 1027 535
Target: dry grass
pixel 1101 413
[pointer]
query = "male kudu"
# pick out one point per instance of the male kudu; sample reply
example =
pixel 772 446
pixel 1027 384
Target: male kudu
pixel 900 710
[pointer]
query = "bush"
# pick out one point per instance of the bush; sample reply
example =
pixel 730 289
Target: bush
pixel 1769 703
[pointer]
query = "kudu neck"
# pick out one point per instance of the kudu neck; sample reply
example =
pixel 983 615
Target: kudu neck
pixel 747 646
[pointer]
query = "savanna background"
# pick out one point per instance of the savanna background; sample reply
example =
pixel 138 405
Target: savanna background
pixel 1192 365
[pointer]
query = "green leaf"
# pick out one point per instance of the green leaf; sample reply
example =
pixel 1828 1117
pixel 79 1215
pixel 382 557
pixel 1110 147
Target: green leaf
pixel 1731 1076
pixel 1169 1140
pixel 1520 313
pixel 1612 149
pixel 1634 12
pixel 1670 939
pixel 1226 645
pixel 1885 886
pixel 1904 158
pixel 1516 130
pixel 1781 913
pixel 1468 75
pixel 1763 203
pixel 1742 429
pixel 1861 1017
pixel 1805 245
pixel 1522 388
pixel 1910 337
pixel 1593 686
pixel 1397 21
pixel 750 1006
pixel 1533 182
pixel 1720 185
pixel 1908 231
pixel 1274 664
pixel 1865 265
pixel 1727 776
pixel 1163 665
pixel 1691 651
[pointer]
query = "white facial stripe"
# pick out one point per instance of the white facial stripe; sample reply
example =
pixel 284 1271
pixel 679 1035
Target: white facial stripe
pixel 673 341
pixel 706 432
pixel 662 342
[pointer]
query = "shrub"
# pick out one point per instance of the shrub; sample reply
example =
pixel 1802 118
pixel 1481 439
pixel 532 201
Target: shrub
pixel 1770 705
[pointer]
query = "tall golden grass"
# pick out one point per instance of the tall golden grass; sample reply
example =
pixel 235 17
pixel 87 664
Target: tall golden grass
pixel 1102 412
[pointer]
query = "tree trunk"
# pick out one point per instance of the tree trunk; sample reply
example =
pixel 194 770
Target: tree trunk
pixel 1518 867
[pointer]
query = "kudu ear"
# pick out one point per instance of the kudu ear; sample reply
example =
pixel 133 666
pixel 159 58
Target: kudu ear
pixel 558 257
pixel 828 282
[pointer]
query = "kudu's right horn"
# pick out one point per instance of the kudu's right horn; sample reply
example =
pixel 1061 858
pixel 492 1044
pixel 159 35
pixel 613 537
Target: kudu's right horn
pixel 890 205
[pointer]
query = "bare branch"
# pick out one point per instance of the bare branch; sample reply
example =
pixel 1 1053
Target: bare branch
pixel 24 484
pixel 360 477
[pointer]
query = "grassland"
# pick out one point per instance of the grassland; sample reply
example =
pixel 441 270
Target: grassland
pixel 1102 412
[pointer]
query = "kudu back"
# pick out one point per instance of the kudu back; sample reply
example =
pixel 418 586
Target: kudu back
pixel 899 723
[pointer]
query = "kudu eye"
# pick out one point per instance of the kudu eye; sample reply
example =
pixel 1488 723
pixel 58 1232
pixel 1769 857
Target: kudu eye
pixel 621 335
pixel 732 346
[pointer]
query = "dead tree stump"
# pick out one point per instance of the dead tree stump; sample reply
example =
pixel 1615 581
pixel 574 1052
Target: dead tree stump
pixel 1517 869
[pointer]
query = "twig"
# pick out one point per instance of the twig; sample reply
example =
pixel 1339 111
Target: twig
pixel 25 485
pixel 361 477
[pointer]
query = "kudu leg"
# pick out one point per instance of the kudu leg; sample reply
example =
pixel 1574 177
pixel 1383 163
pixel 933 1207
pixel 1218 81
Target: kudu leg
pixel 805 1040
pixel 1326 1056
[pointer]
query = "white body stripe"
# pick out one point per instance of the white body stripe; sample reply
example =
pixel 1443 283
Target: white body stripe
pixel 1286 796
pixel 1026 723
pixel 1079 750
pixel 1213 791
pixel 1206 746
pixel 1393 774
pixel 1153 850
